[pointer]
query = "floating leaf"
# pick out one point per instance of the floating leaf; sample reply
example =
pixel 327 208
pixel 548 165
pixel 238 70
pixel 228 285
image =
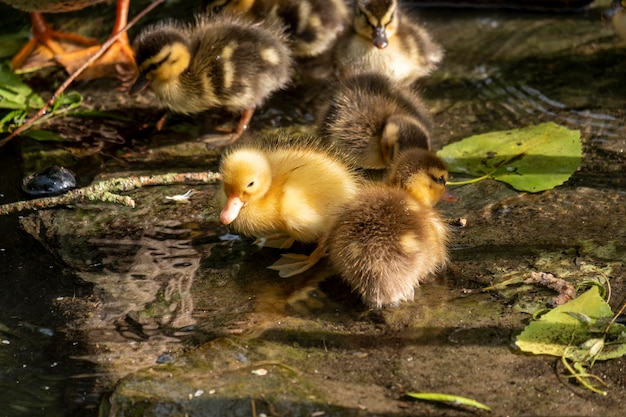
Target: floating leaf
pixel 573 330
pixel 534 158
pixel 454 399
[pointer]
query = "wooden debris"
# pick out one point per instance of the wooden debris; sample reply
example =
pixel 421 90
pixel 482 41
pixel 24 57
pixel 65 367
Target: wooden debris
pixel 566 291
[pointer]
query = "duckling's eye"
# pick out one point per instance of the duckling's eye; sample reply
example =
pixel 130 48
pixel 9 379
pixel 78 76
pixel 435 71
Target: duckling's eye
pixel 250 185
pixel 440 180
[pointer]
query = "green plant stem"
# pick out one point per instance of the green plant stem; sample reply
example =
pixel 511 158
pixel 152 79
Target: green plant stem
pixel 581 377
pixel 470 181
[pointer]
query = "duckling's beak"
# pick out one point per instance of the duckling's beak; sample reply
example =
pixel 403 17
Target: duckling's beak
pixel 612 10
pixel 231 210
pixel 140 84
pixel 379 38
pixel 449 197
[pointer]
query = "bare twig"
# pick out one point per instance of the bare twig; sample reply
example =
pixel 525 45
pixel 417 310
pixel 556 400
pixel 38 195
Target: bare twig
pixel 105 46
pixel 105 191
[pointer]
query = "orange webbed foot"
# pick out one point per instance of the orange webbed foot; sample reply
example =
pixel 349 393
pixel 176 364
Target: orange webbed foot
pixel 48 47
pixel 117 61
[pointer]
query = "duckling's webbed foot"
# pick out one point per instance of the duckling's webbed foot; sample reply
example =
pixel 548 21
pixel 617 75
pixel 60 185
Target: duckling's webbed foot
pixel 44 46
pixel 218 140
pixel 291 264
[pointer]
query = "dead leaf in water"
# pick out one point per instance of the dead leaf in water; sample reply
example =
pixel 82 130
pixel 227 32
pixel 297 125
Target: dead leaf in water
pixel 535 158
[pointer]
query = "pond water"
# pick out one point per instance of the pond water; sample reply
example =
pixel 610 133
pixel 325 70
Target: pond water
pixel 156 310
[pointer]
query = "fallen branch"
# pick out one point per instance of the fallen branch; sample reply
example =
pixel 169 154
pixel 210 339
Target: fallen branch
pixel 105 191
pixel 105 46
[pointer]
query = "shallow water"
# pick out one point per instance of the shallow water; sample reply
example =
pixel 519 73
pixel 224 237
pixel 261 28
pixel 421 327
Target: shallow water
pixel 95 296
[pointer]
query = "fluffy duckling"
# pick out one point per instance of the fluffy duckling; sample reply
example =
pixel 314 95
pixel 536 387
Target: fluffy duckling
pixel 390 238
pixel 285 189
pixel 222 61
pixel 312 26
pixel 616 14
pixel 384 40
pixel 120 53
pixel 373 119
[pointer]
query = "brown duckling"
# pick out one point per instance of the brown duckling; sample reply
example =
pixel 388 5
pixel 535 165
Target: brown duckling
pixel 616 14
pixel 372 118
pixel 385 40
pixel 312 26
pixel 222 61
pixel 390 237
pixel 279 189
pixel 120 53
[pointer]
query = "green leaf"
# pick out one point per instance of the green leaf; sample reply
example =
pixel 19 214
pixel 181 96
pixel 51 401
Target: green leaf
pixel 534 158
pixel 15 94
pixel 455 399
pixel 12 119
pixel 43 135
pixel 10 43
pixel 68 101
pixel 572 330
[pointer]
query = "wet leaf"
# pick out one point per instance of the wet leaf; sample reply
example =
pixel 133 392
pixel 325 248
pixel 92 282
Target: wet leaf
pixel 573 330
pixel 534 158
pixel 454 399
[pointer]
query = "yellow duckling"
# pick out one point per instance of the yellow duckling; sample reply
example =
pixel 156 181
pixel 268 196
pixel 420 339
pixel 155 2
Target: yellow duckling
pixel 44 37
pixel 222 61
pixel 285 189
pixel 312 26
pixel 372 118
pixel 616 14
pixel 390 237
pixel 385 40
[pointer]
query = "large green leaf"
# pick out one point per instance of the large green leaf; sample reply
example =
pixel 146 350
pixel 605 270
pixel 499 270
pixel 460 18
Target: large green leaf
pixel 534 158
pixel 575 329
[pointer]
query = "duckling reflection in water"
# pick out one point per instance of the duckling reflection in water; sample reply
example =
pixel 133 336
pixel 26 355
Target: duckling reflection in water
pixel 390 238
pixel 616 14
pixel 372 118
pixel 312 26
pixel 385 40
pixel 290 190
pixel 221 61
